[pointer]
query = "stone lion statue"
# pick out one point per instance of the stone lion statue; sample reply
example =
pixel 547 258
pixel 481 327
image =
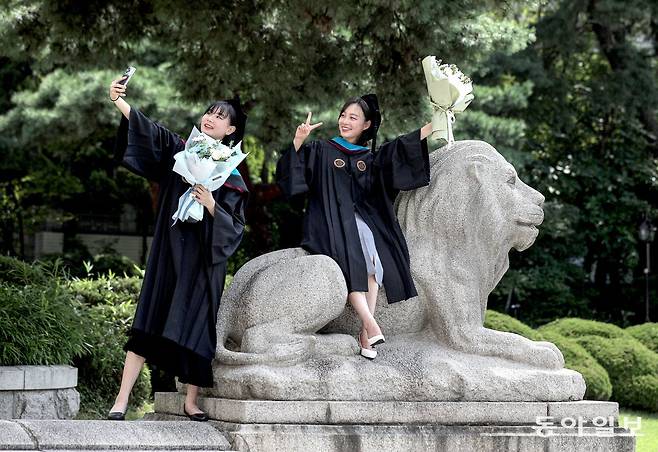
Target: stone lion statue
pixel 284 323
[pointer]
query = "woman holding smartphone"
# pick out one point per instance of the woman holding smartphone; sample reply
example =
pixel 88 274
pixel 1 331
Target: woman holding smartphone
pixel 174 325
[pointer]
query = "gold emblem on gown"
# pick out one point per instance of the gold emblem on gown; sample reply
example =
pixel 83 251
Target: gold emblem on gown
pixel 361 165
pixel 339 163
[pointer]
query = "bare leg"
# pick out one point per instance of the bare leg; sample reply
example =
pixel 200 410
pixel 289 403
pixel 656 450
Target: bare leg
pixel 190 399
pixel 371 298
pixel 360 305
pixel 131 368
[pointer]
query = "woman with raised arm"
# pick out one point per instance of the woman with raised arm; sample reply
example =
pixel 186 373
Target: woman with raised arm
pixel 350 214
pixel 174 325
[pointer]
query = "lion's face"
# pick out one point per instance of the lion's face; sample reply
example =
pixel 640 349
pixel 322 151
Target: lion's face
pixel 516 207
pixel 475 202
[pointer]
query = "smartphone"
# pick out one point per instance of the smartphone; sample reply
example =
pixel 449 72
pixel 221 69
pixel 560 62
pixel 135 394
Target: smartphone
pixel 126 75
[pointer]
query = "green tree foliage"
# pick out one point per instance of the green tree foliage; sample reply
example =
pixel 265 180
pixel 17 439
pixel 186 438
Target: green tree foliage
pixel 591 135
pixel 565 90
pixel 282 57
pixel 57 146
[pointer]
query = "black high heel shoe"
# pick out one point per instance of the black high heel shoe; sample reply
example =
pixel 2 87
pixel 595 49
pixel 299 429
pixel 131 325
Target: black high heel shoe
pixel 199 417
pixel 116 416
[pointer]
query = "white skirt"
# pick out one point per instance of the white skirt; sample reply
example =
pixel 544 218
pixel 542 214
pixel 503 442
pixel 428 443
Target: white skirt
pixel 373 264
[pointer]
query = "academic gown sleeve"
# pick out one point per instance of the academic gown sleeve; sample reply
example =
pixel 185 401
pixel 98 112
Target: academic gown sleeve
pixel 404 163
pixel 227 225
pixel 294 170
pixel 145 147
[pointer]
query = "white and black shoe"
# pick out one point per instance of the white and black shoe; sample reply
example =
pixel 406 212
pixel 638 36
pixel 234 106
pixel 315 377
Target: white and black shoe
pixel 368 353
pixel 376 340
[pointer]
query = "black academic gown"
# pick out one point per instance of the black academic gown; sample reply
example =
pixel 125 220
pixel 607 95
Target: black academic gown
pixel 174 325
pixel 340 182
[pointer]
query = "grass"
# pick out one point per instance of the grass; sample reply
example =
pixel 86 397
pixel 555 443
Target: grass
pixel 648 442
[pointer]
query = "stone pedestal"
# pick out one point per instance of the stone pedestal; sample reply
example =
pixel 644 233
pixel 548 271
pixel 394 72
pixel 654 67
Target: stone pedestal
pixel 38 392
pixel 403 426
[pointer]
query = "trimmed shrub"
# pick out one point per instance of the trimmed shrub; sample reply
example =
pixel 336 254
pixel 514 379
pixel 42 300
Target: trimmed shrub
pixel 502 322
pixel 40 325
pixel 577 358
pixel 574 327
pixel 647 333
pixel 632 367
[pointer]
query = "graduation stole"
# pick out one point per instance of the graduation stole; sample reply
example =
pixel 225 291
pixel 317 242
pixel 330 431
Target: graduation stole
pixel 346 146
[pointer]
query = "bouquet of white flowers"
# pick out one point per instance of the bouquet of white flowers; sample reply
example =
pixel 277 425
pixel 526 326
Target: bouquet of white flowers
pixel 204 161
pixel 450 92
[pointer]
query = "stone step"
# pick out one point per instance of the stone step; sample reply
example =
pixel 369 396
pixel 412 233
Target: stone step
pixel 393 412
pixel 111 435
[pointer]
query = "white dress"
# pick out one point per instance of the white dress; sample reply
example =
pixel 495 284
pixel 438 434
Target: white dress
pixel 373 264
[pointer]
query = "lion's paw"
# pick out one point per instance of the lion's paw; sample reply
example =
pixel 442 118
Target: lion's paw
pixel 555 349
pixel 544 356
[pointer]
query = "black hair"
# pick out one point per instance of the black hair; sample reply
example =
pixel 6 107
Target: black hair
pixel 371 131
pixel 225 109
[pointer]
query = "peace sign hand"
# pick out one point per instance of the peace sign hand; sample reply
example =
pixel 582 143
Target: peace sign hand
pixel 304 130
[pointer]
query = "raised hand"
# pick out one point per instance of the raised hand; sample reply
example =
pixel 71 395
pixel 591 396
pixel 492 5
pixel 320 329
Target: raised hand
pixel 117 93
pixel 304 130
pixel 117 90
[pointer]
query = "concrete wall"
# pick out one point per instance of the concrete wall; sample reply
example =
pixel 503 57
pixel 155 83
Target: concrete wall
pixel 47 242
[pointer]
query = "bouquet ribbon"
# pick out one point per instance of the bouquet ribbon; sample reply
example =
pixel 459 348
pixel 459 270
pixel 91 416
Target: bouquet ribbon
pixel 442 121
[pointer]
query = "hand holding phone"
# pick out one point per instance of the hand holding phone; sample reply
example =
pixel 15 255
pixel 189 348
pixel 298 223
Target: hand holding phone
pixel 125 78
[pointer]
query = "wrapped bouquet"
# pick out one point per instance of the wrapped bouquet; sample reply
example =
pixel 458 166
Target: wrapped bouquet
pixel 450 92
pixel 207 162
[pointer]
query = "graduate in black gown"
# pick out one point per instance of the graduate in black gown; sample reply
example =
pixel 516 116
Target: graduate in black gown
pixel 350 215
pixel 174 325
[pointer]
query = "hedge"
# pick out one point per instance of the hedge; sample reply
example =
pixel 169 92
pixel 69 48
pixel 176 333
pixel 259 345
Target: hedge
pixel 576 357
pixel 647 333
pixel 632 367
pixel 575 327
pixel 502 322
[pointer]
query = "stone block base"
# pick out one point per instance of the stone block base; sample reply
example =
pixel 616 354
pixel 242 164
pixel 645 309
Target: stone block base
pixel 377 438
pixel 403 426
pixel 38 392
